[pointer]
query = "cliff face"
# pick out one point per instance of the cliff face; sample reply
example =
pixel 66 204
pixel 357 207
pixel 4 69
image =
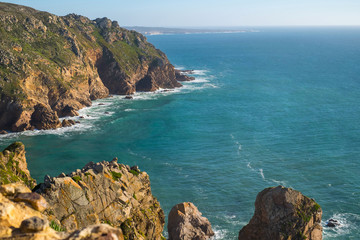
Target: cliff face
pixel 13 166
pixel 281 214
pixel 59 64
pixel 105 192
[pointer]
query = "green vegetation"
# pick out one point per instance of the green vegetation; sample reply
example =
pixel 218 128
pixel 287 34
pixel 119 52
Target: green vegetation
pixel 10 171
pixel 134 196
pixel 136 173
pixel 56 227
pixel 304 216
pixel 115 175
pixel 77 178
pixel 108 222
pixel 316 207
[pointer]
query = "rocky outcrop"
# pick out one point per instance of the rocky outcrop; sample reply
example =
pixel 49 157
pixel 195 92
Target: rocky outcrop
pixel 13 165
pixel 105 192
pixel 21 219
pixel 185 222
pixel 283 213
pixel 182 77
pixel 52 66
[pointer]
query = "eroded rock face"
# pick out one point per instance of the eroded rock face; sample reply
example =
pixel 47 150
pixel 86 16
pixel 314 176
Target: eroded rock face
pixel 22 220
pixel 105 192
pixel 185 222
pixel 13 166
pixel 283 213
pixel 59 64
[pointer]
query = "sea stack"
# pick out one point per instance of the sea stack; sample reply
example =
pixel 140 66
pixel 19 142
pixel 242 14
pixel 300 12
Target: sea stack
pixel 283 213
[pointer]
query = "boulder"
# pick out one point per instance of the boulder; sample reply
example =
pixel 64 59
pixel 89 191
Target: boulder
pixel 185 222
pixel 283 213
pixel 44 117
pixel 97 232
pixel 332 223
pixel 34 199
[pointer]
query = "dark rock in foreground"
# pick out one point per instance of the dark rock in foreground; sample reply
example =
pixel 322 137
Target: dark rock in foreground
pixel 185 222
pixel 283 213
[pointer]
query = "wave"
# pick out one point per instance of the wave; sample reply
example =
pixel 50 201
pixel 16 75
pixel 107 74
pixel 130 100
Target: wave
pixel 349 223
pixel 219 233
pixel 103 108
pixel 199 72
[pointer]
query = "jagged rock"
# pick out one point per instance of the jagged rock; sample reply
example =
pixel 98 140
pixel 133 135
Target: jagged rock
pixel 105 192
pixel 332 223
pixel 185 222
pixel 44 117
pixel 2 132
pixel 13 166
pixel 67 123
pixel 128 97
pixel 283 213
pixel 80 61
pixel 20 221
pixel 182 77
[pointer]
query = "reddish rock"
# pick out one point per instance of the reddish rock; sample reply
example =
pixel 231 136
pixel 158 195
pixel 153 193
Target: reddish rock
pixel 35 200
pixel 283 213
pixel 185 222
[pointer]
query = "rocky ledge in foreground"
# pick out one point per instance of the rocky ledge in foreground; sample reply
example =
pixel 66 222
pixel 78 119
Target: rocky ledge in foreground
pixel 21 217
pixel 52 66
pixel 283 214
pixel 105 192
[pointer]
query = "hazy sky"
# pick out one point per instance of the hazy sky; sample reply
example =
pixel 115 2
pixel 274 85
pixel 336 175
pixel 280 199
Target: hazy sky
pixel 184 13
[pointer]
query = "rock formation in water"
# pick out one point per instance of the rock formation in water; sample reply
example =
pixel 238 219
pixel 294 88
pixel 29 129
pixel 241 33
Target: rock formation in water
pixel 52 66
pixel 13 166
pixel 283 213
pixel 105 192
pixel 185 222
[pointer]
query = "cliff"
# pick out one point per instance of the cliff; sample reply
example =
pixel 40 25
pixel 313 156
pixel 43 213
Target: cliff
pixel 105 192
pixel 52 66
pixel 13 166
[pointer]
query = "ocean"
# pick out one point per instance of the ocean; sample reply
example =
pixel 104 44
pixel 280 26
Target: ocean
pixel 277 106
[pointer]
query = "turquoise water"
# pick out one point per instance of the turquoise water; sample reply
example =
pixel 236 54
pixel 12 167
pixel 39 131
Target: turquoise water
pixel 278 106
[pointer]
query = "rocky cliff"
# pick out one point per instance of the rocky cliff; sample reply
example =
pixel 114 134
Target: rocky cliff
pixel 52 66
pixel 105 192
pixel 283 214
pixel 21 218
pixel 13 166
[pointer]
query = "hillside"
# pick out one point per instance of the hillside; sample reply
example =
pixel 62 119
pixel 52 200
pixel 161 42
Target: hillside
pixel 52 66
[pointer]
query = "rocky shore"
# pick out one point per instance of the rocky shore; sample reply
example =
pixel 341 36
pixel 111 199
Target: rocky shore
pixel 51 66
pixel 109 200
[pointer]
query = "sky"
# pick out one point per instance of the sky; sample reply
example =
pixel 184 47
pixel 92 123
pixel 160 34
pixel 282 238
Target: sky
pixel 207 13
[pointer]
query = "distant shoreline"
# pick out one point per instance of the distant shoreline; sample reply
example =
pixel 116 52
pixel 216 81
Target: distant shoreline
pixel 172 31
